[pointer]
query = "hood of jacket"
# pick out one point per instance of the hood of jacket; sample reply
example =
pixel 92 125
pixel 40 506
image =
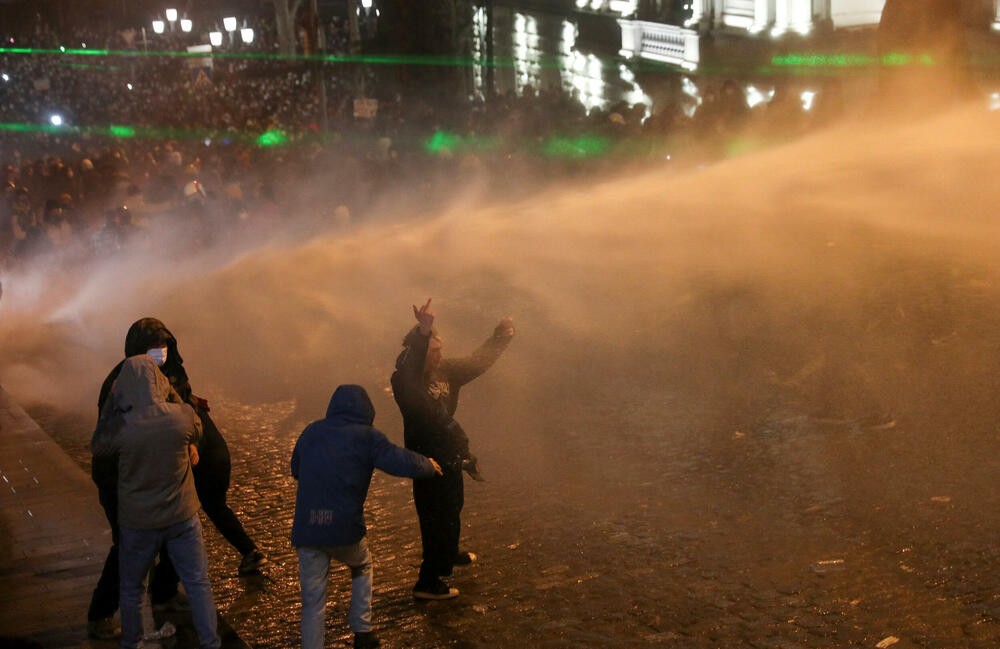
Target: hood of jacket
pixel 140 383
pixel 350 404
pixel 147 333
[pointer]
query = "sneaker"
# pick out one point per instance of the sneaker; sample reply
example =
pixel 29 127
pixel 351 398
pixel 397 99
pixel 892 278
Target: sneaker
pixel 436 589
pixel 103 629
pixel 252 560
pixel 366 640
pixel 176 604
pixel 465 558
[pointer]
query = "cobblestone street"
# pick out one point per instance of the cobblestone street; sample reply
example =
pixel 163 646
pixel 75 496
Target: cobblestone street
pixel 794 534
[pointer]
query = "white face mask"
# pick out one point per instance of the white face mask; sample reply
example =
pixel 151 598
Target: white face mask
pixel 158 354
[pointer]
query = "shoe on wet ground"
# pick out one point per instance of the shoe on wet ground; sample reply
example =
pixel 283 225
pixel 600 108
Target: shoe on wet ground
pixel 465 558
pixel 436 589
pixel 103 629
pixel 366 640
pixel 252 561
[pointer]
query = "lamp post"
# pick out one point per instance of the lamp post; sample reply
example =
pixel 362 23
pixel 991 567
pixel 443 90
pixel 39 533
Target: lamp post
pixel 158 26
pixel 319 32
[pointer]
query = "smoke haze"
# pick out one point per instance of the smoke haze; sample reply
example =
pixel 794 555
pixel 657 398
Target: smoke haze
pixel 849 275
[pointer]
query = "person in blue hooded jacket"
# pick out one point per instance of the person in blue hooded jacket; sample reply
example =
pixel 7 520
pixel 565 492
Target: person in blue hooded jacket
pixel 333 462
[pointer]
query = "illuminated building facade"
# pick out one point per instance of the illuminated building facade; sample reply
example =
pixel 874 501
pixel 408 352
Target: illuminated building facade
pixel 679 43
pixel 604 52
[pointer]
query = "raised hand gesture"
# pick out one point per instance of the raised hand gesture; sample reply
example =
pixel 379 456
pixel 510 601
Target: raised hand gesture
pixel 425 317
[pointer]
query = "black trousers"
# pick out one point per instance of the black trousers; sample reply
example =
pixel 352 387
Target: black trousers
pixel 104 601
pixel 211 480
pixel 439 502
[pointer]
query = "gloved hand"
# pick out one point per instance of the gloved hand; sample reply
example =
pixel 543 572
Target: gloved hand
pixel 471 466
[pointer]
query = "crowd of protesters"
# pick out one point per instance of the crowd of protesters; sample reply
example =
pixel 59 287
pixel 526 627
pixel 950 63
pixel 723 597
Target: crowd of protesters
pixel 96 149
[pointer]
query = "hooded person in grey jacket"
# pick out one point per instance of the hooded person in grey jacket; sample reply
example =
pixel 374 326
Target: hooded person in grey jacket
pixel 152 431
pixel 333 462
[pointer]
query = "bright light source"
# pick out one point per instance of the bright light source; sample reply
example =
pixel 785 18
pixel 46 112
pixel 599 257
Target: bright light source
pixel 624 7
pixel 377 13
pixel 171 14
pixel 5 76
pixel 62 49
pixel 56 120
pixel 807 97
pixel 128 85
pixel 755 97
pixel 215 38
pixel 994 98
pixel 83 45
pixel 229 24
pixel 208 141
pixel 367 4
pixel 186 25
pixel 246 34
pixel 158 26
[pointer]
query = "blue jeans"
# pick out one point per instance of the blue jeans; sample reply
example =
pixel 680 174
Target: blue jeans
pixel 184 543
pixel 314 570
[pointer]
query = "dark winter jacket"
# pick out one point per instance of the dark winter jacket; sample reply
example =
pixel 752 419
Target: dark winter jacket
pixel 428 401
pixel 150 434
pixel 333 461
pixel 143 335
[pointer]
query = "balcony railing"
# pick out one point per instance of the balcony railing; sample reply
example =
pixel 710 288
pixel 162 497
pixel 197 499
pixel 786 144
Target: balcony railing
pixel 659 42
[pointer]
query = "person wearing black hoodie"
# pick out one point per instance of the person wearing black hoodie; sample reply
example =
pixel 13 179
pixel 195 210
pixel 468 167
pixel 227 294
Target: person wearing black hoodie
pixel 426 387
pixel 211 477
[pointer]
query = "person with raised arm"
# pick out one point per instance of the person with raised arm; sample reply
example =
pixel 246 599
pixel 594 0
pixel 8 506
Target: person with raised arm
pixel 426 387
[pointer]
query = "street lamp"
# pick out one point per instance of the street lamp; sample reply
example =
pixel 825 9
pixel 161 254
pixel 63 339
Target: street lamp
pixel 215 38
pixel 229 24
pixel 158 26
pixel 171 15
pixel 247 35
pixel 366 4
pixel 186 25
pixel 56 120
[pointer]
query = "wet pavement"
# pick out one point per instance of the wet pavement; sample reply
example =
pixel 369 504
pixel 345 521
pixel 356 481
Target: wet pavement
pixel 54 542
pixel 793 532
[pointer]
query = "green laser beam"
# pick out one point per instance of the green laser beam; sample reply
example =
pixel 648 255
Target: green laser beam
pixel 781 65
pixel 123 131
pixel 578 147
pixel 451 61
pixel 893 59
pixel 443 142
pixel 439 143
pixel 272 138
